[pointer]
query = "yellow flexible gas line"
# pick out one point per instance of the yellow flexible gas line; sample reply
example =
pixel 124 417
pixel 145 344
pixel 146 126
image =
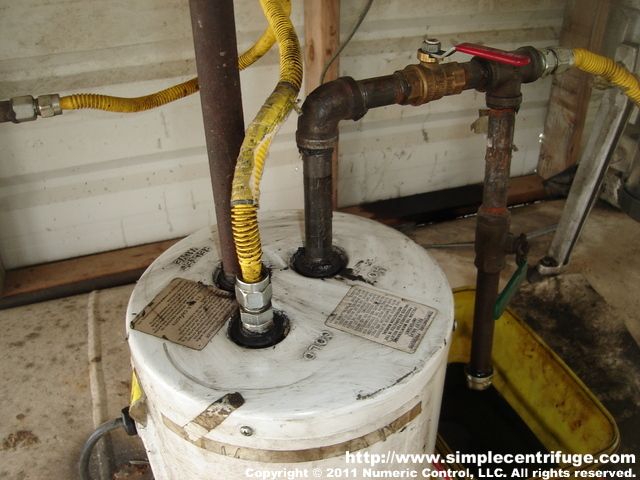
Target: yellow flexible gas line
pixel 131 105
pixel 607 68
pixel 246 181
pixel 264 44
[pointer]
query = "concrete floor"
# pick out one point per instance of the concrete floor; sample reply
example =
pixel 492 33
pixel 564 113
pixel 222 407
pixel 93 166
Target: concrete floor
pixel 65 366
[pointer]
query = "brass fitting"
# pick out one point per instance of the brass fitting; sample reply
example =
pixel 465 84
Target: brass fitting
pixel 432 81
pixel 430 46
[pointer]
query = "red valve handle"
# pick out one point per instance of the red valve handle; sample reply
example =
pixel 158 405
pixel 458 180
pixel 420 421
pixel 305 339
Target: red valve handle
pixel 510 58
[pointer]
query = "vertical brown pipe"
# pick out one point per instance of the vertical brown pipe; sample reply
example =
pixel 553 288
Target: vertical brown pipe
pixel 492 231
pixel 214 38
pixel 483 325
pixel 498 160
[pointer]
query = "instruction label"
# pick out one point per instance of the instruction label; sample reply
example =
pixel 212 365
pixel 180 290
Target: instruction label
pixel 186 312
pixel 382 318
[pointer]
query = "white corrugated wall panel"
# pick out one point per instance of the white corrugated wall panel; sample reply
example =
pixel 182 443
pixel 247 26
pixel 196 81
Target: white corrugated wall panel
pixel 91 181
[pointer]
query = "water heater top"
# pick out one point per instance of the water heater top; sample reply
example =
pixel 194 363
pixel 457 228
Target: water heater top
pixel 367 340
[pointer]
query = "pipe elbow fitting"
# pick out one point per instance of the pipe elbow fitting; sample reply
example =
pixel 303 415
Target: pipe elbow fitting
pixel 323 109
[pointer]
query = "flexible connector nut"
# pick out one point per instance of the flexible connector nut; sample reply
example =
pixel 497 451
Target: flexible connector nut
pixel 556 60
pixel 49 105
pixel 254 299
pixel 254 296
pixel 26 108
pixel 23 108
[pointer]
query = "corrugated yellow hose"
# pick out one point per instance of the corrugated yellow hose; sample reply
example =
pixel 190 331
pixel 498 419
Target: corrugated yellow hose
pixel 131 105
pixel 246 181
pixel 265 43
pixel 612 71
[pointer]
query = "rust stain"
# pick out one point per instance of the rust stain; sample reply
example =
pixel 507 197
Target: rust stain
pixel 19 439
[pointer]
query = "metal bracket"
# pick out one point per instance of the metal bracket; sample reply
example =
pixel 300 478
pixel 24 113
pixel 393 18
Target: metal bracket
pixel 613 114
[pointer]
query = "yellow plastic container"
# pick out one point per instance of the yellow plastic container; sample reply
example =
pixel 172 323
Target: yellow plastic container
pixel 556 406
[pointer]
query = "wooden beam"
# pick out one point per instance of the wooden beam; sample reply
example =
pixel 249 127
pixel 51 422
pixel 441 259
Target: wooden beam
pixel 322 39
pixel 583 27
pixel 79 275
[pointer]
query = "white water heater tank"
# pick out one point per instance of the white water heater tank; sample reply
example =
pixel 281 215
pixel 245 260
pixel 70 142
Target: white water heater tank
pixel 356 382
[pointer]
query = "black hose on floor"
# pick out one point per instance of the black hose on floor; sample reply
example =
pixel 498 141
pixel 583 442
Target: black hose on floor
pixel 124 421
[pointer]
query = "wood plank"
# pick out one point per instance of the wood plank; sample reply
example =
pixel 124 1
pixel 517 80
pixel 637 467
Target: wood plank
pixel 322 39
pixel 583 27
pixel 79 275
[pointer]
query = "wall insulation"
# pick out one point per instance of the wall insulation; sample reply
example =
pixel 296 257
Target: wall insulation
pixel 92 181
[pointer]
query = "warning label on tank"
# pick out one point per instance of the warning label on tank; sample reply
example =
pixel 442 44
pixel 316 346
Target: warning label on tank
pixel 383 318
pixel 186 312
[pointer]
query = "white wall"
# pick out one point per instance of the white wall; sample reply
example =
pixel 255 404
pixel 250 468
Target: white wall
pixel 92 181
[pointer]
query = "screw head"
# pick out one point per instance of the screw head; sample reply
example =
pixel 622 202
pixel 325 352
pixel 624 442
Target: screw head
pixel 246 431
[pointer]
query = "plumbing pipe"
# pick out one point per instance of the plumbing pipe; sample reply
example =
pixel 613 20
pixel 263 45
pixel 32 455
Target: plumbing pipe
pixel 492 228
pixel 214 37
pixel 491 245
pixel 345 98
pixel 317 135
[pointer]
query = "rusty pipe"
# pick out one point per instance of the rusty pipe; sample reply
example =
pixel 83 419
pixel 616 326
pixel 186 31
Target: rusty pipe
pixel 498 160
pixel 503 99
pixel 492 235
pixel 214 38
pixel 317 135
pixel 345 99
